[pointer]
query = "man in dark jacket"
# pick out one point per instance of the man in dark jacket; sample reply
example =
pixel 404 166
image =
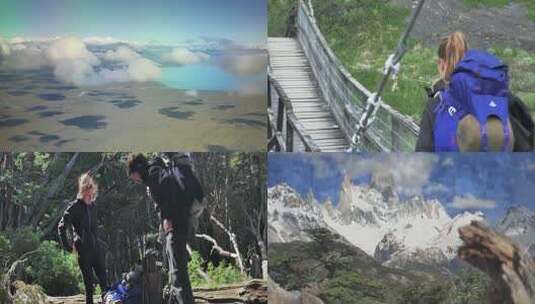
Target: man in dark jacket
pixel 173 189
pixel 81 216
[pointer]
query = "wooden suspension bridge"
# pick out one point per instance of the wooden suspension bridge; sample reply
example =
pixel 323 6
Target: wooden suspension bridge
pixel 315 104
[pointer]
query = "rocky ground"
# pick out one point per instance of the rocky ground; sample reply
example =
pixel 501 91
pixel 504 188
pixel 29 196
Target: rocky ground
pixel 507 26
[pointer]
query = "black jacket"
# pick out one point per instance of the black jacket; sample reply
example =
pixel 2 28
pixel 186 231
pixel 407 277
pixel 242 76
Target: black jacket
pixel 523 126
pixel 82 217
pixel 173 200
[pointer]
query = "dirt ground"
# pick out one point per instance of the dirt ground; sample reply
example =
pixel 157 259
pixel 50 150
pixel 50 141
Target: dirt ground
pixel 485 27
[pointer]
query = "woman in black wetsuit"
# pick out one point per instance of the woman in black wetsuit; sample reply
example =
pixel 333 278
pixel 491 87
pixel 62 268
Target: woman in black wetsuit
pixel 81 216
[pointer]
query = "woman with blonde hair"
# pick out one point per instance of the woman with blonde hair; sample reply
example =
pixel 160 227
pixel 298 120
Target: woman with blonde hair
pixel 470 108
pixel 81 216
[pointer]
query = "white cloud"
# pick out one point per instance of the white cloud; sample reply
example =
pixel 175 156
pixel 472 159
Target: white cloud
pixel 5 49
pixel 70 48
pixel 244 65
pixel 471 202
pixel 26 58
pixel 182 56
pixel 72 61
pixel 143 69
pixel 16 40
pixel 411 172
pixel 436 188
pixel 192 93
pixel 18 47
pixel 97 40
pixel 77 72
pixel 121 54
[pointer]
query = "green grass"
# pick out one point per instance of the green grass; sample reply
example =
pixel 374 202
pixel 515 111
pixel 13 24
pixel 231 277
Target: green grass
pixel 363 34
pixel 278 12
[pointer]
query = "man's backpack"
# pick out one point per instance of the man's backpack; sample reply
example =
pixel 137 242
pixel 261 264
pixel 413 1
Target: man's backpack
pixel 479 87
pixel 180 166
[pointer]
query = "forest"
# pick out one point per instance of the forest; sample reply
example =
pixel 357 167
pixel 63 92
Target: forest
pixel 36 188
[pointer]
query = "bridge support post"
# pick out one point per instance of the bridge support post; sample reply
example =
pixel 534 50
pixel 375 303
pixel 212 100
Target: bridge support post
pixel 289 137
pixel 280 115
pixel 270 131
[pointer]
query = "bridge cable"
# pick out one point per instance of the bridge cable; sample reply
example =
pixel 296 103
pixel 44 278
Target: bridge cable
pixel 391 68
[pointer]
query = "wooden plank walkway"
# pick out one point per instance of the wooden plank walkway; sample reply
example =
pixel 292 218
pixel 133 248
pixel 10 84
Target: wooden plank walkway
pixel 291 68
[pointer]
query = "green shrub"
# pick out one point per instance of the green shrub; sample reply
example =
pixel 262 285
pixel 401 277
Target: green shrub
pixel 224 274
pixel 55 271
pixel 220 275
pixel 194 264
pixel 23 240
pixel 346 286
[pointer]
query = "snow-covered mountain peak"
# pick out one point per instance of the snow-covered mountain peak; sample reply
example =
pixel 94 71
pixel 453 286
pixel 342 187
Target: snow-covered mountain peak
pixel 519 224
pixel 383 226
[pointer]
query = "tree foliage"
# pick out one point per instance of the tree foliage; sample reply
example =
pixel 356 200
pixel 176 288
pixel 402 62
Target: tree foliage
pixel 36 188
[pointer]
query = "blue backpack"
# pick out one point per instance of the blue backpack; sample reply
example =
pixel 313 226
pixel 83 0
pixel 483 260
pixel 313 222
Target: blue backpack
pixel 479 86
pixel 120 293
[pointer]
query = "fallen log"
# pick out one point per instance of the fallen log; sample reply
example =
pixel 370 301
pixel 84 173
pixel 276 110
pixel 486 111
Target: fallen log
pixel 511 271
pixel 252 292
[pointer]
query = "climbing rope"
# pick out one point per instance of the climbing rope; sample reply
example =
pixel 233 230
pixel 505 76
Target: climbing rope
pixel 392 66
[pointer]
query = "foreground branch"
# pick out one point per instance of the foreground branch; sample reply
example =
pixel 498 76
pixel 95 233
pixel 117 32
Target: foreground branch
pixel 216 247
pixel 12 275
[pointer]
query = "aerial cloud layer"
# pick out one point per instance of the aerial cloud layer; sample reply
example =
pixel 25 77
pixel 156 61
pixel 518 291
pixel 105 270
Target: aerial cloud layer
pixel 72 62
pixel 245 64
pixel 182 56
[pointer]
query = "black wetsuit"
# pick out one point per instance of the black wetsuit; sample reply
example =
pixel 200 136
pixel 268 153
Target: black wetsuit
pixel 523 126
pixel 173 202
pixel 90 256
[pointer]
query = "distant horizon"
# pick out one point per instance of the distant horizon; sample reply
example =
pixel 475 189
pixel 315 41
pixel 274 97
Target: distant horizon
pixel 164 22
pixel 459 182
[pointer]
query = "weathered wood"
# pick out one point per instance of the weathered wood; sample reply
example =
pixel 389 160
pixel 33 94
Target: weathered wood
pixel 512 272
pixel 288 121
pixel 252 292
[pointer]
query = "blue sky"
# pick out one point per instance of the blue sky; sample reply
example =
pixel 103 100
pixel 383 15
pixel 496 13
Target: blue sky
pixel 489 182
pixel 158 21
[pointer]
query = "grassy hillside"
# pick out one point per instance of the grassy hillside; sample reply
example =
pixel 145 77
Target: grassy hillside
pixel 345 274
pixel 278 13
pixel 363 33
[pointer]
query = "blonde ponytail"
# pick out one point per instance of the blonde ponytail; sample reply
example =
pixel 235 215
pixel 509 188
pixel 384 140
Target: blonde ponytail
pixel 451 50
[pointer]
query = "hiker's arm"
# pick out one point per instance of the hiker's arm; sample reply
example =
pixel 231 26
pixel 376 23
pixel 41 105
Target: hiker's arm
pixel 64 223
pixel 522 123
pixel 426 142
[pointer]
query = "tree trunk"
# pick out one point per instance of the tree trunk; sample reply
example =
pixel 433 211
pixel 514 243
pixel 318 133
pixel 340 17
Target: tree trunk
pixel 57 184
